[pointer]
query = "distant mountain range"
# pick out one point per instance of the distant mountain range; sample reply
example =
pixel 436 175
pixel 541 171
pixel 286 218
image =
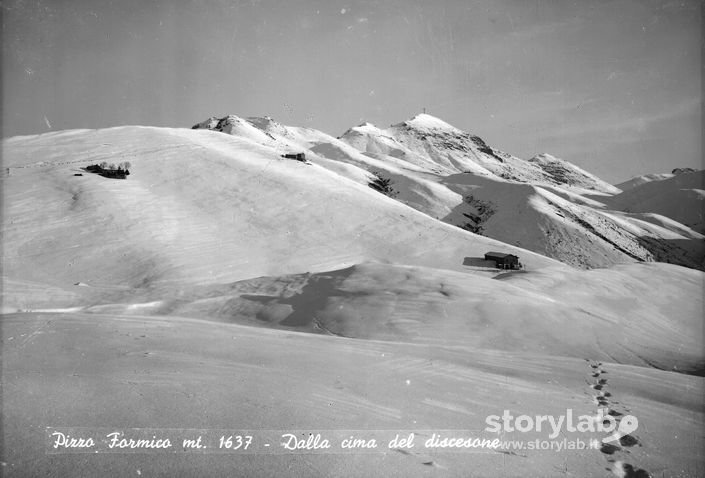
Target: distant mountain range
pixel 544 204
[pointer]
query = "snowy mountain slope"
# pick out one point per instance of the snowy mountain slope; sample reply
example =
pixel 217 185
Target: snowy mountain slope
pixel 206 207
pixel 407 327
pixel 537 219
pixel 514 214
pixel 440 307
pixel 564 218
pixel 418 188
pixel 202 206
pixel 680 197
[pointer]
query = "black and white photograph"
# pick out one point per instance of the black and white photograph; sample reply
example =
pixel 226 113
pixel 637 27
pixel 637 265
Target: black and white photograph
pixel 352 238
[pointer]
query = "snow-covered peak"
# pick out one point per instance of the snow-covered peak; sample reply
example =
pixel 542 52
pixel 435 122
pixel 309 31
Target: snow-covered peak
pixel 210 123
pixel 368 127
pixel 268 125
pixel 220 124
pixel 364 128
pixel 257 128
pixel 430 143
pixel 233 124
pixel 425 121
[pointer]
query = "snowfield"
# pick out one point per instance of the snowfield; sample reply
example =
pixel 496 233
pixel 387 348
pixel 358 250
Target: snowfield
pixel 223 286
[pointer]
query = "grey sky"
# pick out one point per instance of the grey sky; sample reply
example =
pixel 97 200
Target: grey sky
pixel 613 86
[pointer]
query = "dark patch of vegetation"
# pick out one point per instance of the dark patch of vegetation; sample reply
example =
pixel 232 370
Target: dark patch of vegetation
pixel 121 171
pixel 485 210
pixel 383 185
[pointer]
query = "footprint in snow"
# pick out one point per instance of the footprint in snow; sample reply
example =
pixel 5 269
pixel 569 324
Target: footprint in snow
pixel 628 440
pixel 626 470
pixel 609 449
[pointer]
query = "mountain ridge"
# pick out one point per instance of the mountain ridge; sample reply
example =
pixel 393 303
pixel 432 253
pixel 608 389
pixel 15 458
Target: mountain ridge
pixel 418 156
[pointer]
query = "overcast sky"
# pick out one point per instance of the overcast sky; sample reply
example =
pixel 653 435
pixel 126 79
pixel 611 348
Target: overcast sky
pixel 613 86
